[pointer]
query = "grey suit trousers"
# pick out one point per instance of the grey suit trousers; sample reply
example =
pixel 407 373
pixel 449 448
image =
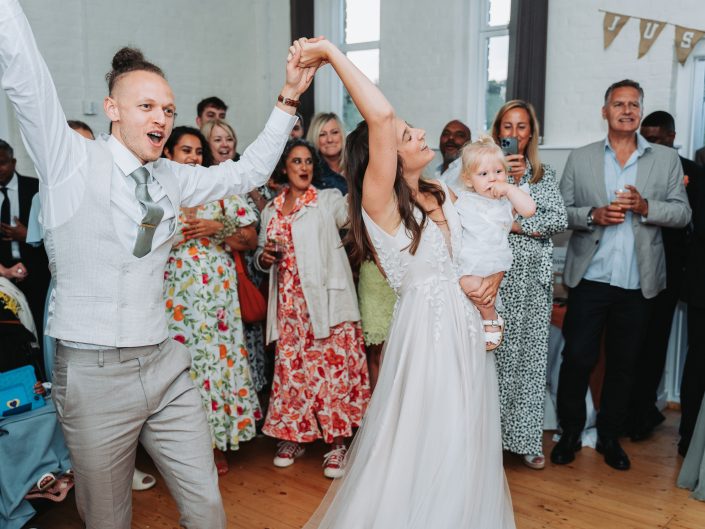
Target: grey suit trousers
pixel 108 400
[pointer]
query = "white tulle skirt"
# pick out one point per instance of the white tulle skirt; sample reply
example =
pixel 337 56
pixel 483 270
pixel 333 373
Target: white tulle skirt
pixel 429 453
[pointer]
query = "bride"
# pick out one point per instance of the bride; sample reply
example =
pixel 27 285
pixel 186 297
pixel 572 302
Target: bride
pixel 429 451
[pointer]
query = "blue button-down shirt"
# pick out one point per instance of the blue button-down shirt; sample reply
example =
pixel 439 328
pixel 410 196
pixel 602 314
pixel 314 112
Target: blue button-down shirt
pixel 615 261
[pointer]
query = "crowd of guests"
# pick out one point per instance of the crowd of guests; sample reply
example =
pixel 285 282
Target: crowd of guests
pixel 303 366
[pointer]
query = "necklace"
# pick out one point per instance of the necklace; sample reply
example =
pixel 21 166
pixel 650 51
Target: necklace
pixel 437 221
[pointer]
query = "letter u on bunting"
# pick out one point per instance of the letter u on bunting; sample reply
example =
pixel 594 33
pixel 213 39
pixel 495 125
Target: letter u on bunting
pixel 612 25
pixel 686 39
pixel 649 30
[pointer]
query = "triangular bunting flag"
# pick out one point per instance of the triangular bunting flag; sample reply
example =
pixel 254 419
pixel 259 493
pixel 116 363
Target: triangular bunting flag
pixel 686 39
pixel 612 25
pixel 649 30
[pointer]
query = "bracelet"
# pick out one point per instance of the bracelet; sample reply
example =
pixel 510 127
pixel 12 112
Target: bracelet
pixel 288 102
pixel 230 226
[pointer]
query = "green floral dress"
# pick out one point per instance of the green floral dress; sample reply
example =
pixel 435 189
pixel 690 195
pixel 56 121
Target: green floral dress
pixel 200 287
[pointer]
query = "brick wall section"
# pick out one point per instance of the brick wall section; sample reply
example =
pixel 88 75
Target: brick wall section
pixel 235 50
pixel 429 58
pixel 579 70
pixel 424 61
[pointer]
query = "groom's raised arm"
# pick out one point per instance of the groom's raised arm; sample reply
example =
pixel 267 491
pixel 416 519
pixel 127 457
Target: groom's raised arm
pixel 57 152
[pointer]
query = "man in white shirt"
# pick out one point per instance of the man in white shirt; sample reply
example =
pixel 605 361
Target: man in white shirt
pixel 29 263
pixel 454 135
pixel 109 211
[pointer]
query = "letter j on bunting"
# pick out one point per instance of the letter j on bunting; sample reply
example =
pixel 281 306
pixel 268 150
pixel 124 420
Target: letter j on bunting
pixel 612 25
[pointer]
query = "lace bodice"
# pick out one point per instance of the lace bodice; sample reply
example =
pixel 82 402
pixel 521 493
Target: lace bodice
pixel 432 261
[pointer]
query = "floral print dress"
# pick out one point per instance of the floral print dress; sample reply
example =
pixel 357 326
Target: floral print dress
pixel 260 361
pixel 317 382
pixel 203 312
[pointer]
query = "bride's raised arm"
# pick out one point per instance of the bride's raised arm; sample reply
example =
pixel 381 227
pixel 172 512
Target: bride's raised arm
pixel 378 184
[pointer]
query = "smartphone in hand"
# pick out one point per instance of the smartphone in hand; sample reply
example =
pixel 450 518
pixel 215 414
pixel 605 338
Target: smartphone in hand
pixel 509 145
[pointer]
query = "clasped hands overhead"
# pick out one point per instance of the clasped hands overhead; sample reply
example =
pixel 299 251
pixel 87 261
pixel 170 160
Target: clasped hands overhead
pixel 309 54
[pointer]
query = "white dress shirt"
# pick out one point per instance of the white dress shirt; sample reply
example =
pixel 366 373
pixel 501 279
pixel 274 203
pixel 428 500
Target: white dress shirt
pixel 61 159
pixel 126 210
pixel 13 196
pixel 451 176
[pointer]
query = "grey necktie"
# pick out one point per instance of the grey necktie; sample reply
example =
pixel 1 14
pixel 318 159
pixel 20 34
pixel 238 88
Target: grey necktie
pixel 153 213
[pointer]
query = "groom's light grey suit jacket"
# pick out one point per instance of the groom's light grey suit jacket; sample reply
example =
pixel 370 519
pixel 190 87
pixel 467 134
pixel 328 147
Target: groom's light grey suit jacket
pixel 659 180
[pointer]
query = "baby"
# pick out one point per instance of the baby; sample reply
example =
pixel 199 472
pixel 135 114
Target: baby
pixel 486 208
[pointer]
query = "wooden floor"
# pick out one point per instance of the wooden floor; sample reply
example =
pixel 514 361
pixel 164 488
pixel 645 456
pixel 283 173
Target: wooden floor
pixel 584 495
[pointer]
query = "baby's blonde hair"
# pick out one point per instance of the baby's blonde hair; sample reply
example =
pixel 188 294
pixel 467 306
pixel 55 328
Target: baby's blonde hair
pixel 474 152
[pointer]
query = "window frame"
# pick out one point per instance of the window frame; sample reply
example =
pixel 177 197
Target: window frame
pixel 329 20
pixel 4 117
pixel 484 34
pixel 697 136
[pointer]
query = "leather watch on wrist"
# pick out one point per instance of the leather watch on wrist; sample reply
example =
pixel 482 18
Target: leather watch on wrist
pixel 590 220
pixel 288 101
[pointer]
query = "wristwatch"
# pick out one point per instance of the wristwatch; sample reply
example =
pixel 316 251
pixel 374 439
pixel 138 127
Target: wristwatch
pixel 590 220
pixel 288 102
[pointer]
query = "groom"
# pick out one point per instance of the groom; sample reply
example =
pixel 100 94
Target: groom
pixel 109 211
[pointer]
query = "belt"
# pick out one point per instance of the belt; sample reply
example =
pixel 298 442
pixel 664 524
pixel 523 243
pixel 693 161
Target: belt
pixel 105 355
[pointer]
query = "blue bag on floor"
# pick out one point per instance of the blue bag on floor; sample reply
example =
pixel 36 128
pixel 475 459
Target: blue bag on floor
pixel 17 391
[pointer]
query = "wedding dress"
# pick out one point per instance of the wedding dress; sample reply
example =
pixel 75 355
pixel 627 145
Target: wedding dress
pixel 429 452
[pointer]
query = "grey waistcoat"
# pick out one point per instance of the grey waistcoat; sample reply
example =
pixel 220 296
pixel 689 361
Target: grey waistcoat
pixel 104 294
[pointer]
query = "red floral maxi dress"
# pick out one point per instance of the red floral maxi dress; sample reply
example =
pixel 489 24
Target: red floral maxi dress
pixel 321 386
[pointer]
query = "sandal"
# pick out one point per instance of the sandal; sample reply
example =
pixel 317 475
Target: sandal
pixel 221 462
pixel 142 480
pixel 493 339
pixel 46 481
pixel 50 488
pixel 535 461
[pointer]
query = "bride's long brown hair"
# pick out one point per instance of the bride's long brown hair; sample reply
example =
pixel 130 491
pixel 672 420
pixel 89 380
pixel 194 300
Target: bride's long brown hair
pixel 357 156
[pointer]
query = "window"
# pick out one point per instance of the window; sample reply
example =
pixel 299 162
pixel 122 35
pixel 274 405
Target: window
pixel 494 37
pixel 354 26
pixel 4 118
pixel 361 45
pixel 698 136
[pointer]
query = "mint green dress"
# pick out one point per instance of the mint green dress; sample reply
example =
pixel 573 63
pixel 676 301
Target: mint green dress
pixel 376 299
pixel 692 474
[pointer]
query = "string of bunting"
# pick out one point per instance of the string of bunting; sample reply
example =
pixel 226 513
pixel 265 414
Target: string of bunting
pixel 649 31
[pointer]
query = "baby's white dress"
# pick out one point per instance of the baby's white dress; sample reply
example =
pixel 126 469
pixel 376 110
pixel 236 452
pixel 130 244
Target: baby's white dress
pixel 486 224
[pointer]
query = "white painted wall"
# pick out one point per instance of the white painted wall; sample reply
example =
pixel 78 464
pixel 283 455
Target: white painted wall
pixel 235 50
pixel 431 62
pixel 579 69
pixel 430 59
pixel 425 59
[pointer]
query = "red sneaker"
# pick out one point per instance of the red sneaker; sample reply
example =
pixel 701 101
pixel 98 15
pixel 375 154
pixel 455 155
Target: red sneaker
pixel 287 451
pixel 333 462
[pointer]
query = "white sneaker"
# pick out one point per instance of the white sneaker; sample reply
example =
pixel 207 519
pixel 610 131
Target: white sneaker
pixel 333 462
pixel 287 451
